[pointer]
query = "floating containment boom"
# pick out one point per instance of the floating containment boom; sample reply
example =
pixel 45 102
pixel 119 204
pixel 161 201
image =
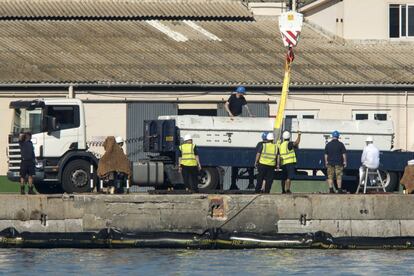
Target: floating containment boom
pixel 210 239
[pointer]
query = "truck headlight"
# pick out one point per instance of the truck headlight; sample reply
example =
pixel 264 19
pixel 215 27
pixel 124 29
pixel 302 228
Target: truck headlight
pixel 39 165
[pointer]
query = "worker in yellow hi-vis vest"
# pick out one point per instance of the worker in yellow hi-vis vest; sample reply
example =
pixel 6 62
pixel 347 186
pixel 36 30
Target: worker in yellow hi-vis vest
pixel 189 163
pixel 266 154
pixel 287 159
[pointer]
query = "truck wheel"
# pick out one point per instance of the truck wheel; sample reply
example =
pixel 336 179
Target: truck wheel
pixel 76 177
pixel 47 188
pixel 391 180
pixel 209 179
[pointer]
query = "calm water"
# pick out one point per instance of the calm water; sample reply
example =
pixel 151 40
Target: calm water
pixel 197 262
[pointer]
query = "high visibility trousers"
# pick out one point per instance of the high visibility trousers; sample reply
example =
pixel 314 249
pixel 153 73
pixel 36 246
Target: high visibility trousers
pixel 190 176
pixel 265 173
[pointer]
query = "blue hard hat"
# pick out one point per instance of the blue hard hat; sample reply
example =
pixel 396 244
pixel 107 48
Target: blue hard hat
pixel 241 89
pixel 264 135
pixel 335 134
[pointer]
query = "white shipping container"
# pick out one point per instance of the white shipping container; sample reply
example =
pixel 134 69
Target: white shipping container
pixel 246 132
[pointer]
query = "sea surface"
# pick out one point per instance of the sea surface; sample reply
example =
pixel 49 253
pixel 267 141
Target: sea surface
pixel 205 262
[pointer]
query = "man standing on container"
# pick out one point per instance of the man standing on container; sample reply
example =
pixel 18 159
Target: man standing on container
pixel 27 164
pixel 234 105
pixel 266 163
pixel 335 161
pixel 189 163
pixel 369 159
pixel 288 160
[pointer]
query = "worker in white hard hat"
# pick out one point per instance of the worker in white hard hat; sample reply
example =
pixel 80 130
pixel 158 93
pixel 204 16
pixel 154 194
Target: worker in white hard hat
pixel 287 160
pixel 369 159
pixel 120 142
pixel 189 163
pixel 266 155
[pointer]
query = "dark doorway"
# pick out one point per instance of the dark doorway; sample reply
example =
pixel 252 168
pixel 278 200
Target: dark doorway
pixel 201 112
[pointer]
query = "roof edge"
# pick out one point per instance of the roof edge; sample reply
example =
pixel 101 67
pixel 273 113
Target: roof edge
pixel 149 86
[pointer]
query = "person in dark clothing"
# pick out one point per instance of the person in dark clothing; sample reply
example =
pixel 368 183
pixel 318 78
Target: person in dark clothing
pixel 335 161
pixel 27 164
pixel 266 164
pixel 189 163
pixel 234 105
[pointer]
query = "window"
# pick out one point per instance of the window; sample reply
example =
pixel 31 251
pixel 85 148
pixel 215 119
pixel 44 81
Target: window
pixel 380 116
pixel 370 115
pixel 361 116
pixel 401 20
pixel 67 116
pixel 301 114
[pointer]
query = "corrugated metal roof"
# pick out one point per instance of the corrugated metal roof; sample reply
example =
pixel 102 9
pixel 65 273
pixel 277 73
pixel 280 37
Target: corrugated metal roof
pixel 65 9
pixel 136 52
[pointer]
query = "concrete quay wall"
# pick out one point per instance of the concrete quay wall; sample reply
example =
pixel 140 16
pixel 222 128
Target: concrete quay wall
pixel 341 215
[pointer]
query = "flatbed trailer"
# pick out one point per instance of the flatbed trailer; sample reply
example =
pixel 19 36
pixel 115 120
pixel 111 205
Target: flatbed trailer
pixel 163 137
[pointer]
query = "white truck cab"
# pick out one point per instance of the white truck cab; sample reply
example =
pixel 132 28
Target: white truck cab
pixel 59 141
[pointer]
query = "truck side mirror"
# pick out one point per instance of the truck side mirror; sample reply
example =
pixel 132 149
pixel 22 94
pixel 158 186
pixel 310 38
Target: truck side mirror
pixel 51 124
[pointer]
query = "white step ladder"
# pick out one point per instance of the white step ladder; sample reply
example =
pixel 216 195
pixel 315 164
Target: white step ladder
pixel 371 175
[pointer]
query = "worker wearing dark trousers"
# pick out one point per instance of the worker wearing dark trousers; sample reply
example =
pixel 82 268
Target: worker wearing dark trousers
pixel 266 163
pixel 189 163
pixel 27 165
pixel 288 160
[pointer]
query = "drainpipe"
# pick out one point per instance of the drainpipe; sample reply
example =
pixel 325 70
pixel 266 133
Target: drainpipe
pixel 406 120
pixel 71 92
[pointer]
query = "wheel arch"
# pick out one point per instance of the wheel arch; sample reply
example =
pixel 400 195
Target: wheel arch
pixel 74 155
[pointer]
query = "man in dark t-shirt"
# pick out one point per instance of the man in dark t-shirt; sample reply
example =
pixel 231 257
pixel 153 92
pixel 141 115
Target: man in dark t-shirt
pixel 235 103
pixel 335 161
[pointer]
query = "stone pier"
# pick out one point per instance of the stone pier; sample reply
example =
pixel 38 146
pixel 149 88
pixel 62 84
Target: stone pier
pixel 381 215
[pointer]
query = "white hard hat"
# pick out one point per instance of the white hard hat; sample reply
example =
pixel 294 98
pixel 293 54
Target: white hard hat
pixel 286 135
pixel 119 140
pixel 369 139
pixel 187 137
pixel 270 136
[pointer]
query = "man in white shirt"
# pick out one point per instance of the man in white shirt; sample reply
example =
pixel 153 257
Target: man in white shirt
pixel 369 158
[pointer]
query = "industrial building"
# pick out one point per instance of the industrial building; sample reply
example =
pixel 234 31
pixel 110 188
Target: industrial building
pixel 133 60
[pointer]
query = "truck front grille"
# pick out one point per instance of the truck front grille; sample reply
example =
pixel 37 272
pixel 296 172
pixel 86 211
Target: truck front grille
pixel 14 157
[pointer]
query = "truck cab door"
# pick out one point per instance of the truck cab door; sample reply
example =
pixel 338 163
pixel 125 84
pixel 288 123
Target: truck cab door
pixel 63 134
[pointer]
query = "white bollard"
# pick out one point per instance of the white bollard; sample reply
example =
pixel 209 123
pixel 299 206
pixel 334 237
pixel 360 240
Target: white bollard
pixel 101 185
pixel 91 176
pixel 127 186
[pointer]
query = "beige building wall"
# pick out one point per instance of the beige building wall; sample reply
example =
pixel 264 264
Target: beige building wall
pixel 326 18
pixel 367 19
pixel 362 19
pixel 104 117
pixel 102 120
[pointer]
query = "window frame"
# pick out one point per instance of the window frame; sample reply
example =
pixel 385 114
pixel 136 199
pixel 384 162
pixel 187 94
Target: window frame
pixel 76 115
pixel 371 114
pixel 400 25
pixel 300 113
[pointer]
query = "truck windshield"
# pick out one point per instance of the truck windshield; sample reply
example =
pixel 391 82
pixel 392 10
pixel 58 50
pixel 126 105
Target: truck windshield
pixel 27 120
